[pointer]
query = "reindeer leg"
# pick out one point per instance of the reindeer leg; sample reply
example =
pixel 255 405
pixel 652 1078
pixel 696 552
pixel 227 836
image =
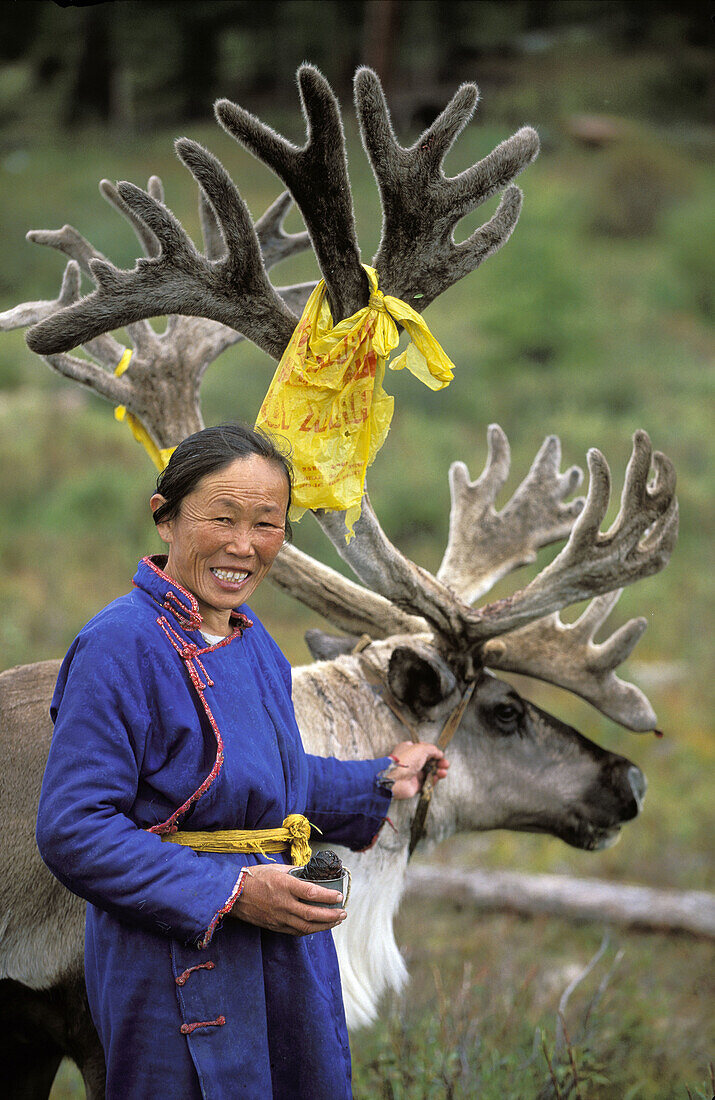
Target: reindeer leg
pixel 41 1027
pixel 80 1040
pixel 29 1056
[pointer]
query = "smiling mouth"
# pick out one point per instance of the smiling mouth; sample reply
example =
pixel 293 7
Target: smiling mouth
pixel 229 577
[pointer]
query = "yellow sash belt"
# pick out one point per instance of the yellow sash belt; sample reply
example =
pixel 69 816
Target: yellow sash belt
pixel 294 834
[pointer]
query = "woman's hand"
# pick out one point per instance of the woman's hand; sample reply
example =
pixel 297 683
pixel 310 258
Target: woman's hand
pixel 273 899
pixel 409 770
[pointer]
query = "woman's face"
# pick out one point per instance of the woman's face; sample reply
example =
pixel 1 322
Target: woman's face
pixel 226 535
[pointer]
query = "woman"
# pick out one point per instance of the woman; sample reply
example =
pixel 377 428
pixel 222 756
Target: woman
pixel 208 974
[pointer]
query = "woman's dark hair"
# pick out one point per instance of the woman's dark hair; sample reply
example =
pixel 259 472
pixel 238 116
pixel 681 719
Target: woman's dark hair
pixel 210 450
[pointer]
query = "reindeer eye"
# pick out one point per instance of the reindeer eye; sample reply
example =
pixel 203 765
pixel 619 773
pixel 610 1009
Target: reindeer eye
pixel 506 714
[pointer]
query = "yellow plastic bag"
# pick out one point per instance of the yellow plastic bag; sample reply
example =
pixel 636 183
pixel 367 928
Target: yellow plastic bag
pixel 327 399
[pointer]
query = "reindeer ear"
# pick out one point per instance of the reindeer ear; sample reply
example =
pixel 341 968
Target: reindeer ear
pixel 324 647
pixel 419 679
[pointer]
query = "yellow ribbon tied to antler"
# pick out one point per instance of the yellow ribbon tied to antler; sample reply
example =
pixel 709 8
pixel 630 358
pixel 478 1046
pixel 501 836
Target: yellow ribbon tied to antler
pixel 159 455
pixel 327 399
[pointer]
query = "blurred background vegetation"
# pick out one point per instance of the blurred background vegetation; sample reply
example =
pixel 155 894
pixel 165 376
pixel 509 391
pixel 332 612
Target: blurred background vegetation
pixel 593 321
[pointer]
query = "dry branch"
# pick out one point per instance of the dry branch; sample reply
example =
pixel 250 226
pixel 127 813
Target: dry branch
pixel 690 911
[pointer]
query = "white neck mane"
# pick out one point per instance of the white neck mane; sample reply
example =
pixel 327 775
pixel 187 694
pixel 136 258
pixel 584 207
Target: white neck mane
pixel 339 715
pixel 369 958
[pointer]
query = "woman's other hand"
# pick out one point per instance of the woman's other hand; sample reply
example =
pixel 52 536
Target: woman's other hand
pixel 408 772
pixel 273 899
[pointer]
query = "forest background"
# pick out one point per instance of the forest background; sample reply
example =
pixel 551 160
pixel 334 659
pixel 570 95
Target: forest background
pixel 593 321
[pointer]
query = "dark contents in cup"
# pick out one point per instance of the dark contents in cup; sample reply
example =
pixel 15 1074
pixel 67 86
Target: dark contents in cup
pixel 322 866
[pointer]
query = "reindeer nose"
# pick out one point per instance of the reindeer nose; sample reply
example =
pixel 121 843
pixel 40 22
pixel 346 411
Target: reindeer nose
pixel 638 784
pixel 628 785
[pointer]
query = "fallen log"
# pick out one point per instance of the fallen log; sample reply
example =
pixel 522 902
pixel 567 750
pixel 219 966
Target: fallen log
pixel 690 911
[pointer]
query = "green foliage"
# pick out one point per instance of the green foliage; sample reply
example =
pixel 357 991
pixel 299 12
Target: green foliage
pixel 685 229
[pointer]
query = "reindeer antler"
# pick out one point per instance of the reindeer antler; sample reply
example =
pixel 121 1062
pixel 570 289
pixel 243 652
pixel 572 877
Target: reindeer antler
pixel 417 258
pixel 348 606
pixel 638 544
pixel 233 290
pixel 160 386
pixel 566 655
pixel 484 545
pixel 591 564
pixel 317 177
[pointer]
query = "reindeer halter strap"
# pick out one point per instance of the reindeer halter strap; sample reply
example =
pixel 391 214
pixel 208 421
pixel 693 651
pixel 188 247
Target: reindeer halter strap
pixel 292 836
pixel 448 731
pixel 327 399
pixel 159 455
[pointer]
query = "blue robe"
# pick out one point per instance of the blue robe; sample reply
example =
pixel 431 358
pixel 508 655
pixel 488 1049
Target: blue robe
pixel 154 729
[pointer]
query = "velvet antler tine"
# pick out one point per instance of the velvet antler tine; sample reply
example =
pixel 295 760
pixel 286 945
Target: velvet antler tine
pixel 256 136
pixel 485 545
pixel 29 313
pixel 665 479
pixel 595 615
pixel 483 243
pixel 636 479
pixel 376 131
pixel 326 208
pixel 620 645
pixel 157 217
pixel 228 206
pixel 439 138
pixel 276 244
pixel 69 241
pixel 155 188
pixel 106 384
pixel 638 494
pixel 214 244
pixel 476 185
pixel 147 239
pixel 69 290
pixel 140 331
pixel 587 527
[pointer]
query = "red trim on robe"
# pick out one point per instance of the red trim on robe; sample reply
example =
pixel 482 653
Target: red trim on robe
pixel 218 916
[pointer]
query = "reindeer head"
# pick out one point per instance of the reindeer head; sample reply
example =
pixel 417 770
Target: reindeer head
pixel 217 296
pixel 515 766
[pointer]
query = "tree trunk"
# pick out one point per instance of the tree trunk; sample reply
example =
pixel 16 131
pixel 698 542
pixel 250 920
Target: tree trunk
pixel 690 911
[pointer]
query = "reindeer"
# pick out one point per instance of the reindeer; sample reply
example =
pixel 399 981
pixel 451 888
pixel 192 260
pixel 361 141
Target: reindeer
pixel 422 643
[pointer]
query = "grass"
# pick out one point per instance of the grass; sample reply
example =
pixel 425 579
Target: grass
pixel 586 325
pixel 484 998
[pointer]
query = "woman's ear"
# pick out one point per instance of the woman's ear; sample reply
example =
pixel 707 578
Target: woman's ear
pixel 164 526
